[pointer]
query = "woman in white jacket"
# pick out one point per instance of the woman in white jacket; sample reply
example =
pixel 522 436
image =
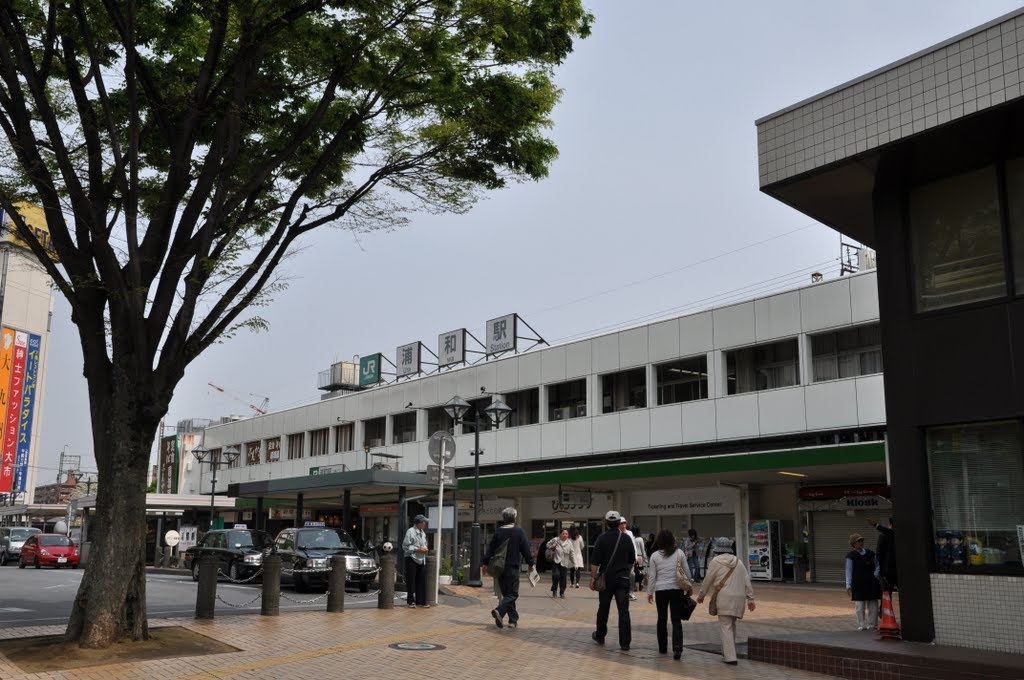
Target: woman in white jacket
pixel 577 556
pixel 663 589
pixel 728 578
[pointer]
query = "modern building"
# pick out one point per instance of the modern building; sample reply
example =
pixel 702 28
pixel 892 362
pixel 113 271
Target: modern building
pixel 26 304
pixel 924 161
pixel 768 409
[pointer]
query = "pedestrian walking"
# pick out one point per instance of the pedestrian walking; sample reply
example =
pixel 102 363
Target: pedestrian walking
pixel 693 547
pixel 731 593
pixel 641 558
pixel 517 551
pixel 885 551
pixel 624 528
pixel 862 583
pixel 613 558
pixel 560 548
pixel 664 591
pixel 414 547
pixel 577 555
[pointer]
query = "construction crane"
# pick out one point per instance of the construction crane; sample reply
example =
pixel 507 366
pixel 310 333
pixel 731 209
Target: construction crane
pixel 261 409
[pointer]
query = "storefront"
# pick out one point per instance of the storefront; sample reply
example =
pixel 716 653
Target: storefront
pixel 711 511
pixel 831 514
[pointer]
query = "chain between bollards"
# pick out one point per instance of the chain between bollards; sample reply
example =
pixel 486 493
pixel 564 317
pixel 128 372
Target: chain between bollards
pixel 336 584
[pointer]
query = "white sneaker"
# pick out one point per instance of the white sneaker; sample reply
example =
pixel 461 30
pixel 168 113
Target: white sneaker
pixel 633 598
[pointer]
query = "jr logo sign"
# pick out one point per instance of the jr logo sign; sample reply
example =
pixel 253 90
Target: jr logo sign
pixel 369 370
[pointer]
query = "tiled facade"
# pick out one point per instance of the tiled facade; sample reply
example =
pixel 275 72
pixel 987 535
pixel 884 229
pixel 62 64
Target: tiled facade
pixel 961 76
pixel 983 612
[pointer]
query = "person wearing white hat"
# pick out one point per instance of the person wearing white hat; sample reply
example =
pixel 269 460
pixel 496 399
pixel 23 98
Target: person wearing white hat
pixel 731 592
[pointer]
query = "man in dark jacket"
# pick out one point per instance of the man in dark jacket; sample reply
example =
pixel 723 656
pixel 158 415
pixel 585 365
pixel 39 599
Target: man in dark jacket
pixel 518 551
pixel 614 555
pixel 886 553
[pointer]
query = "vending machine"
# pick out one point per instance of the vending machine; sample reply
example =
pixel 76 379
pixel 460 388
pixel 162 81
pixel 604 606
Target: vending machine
pixel 764 556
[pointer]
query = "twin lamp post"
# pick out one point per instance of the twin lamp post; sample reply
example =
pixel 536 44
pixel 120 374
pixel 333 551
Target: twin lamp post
pixel 497 412
pixel 225 458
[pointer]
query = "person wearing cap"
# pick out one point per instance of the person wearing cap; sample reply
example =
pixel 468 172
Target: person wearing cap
pixel 414 547
pixel 614 556
pixel 516 552
pixel 729 584
pixel 624 528
pixel 862 582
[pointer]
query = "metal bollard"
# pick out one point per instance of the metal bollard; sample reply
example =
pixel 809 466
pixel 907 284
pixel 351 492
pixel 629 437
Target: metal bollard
pixel 206 593
pixel 336 584
pixel 270 602
pixel 431 567
pixel 386 582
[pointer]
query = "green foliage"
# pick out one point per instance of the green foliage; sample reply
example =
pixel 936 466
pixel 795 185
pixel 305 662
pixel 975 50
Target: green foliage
pixel 152 487
pixel 458 575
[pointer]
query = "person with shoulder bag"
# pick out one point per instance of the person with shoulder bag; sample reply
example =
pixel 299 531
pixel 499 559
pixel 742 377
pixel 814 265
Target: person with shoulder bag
pixel 668 587
pixel 731 593
pixel 510 547
pixel 611 565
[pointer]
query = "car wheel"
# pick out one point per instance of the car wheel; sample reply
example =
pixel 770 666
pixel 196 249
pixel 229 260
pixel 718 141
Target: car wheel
pixel 364 587
pixel 195 570
pixel 233 574
pixel 36 564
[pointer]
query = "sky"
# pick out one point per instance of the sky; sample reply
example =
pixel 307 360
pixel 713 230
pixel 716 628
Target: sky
pixel 651 210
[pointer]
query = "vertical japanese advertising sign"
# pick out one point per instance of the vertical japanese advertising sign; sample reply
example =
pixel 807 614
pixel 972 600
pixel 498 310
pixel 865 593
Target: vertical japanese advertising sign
pixel 11 421
pixel 167 482
pixel 28 400
pixel 6 363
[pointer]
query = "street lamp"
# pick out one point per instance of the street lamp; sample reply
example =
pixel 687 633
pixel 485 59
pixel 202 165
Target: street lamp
pixel 497 412
pixel 227 457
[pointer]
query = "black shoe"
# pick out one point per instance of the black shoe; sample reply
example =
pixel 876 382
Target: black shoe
pixel 732 663
pixel 497 618
pixel 624 648
pixel 662 651
pixel 676 655
pixel 598 640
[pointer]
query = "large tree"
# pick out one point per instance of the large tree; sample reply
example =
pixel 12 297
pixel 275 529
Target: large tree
pixel 180 147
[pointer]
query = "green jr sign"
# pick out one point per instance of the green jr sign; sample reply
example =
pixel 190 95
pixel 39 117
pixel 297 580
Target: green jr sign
pixel 369 370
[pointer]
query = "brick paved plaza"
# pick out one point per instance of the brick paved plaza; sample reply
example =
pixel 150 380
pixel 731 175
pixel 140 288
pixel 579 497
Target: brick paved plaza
pixel 553 634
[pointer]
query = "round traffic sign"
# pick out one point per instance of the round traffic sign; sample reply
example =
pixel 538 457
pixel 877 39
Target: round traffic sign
pixel 441 444
pixel 172 538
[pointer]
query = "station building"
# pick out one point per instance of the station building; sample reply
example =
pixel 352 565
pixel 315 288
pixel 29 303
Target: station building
pixel 770 409
pixel 924 161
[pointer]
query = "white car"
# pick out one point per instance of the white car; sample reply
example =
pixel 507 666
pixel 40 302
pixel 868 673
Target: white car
pixel 11 540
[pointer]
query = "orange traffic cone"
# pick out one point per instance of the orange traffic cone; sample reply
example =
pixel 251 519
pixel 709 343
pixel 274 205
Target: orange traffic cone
pixel 889 630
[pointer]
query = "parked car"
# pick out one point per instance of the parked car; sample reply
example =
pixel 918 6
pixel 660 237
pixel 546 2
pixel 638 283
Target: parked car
pixel 239 552
pixel 313 548
pixel 11 540
pixel 53 550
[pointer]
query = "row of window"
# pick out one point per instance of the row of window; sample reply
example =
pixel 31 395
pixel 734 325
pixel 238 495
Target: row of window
pixel 846 353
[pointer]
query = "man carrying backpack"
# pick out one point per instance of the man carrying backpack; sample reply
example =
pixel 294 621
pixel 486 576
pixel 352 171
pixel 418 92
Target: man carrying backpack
pixel 508 549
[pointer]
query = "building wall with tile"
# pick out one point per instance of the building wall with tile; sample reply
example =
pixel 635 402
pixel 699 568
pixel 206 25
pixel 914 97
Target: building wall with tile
pixel 983 612
pixel 963 75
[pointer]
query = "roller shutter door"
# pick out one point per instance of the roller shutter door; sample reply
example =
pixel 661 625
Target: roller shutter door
pixel 830 541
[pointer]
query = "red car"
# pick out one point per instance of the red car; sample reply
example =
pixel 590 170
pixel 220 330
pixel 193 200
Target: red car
pixel 55 550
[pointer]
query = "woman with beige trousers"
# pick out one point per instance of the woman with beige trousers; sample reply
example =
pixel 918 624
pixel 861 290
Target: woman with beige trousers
pixel 731 593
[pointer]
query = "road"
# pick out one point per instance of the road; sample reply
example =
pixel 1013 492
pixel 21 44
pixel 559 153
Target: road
pixel 36 597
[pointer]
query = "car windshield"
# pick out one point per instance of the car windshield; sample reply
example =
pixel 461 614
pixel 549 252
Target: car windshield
pixel 21 534
pixel 247 539
pixel 312 539
pixel 54 540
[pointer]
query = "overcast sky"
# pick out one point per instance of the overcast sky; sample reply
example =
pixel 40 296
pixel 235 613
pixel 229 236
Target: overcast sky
pixel 651 210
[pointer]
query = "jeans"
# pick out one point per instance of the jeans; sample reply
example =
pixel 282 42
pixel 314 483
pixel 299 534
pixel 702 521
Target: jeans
pixel 509 583
pixel 619 589
pixel 558 576
pixel 669 602
pixel 871 620
pixel 415 582
pixel 694 563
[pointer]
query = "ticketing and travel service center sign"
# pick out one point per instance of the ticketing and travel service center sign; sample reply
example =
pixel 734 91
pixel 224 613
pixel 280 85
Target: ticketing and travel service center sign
pixel 19 374
pixel 706 501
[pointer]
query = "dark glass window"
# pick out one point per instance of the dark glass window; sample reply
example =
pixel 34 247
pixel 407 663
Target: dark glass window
pixel 847 353
pixel 1015 209
pixel 624 390
pixel 525 406
pixel 762 367
pixel 683 380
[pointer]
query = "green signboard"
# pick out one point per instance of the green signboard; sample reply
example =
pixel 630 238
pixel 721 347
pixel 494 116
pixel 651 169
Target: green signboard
pixel 369 370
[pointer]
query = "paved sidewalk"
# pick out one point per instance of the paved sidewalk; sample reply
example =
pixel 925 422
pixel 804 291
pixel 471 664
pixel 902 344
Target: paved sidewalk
pixel 553 633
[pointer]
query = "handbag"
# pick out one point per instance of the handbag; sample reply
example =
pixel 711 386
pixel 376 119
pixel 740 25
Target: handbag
pixel 689 605
pixel 682 581
pixel 713 605
pixel 600 583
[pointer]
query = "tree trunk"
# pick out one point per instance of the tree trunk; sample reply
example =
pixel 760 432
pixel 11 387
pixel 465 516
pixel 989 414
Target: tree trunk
pixel 106 609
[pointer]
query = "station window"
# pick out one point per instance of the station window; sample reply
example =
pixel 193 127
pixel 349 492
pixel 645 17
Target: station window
pixel 977 483
pixel 344 436
pixel 237 462
pixel 403 426
pixel 957 240
pixel 624 390
pixel 252 453
pixel 438 420
pixel 683 380
pixel 318 442
pixel 525 406
pixel 1015 208
pixel 373 432
pixel 847 353
pixel 762 367
pixel 274 450
pixel 295 444
pixel 567 400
